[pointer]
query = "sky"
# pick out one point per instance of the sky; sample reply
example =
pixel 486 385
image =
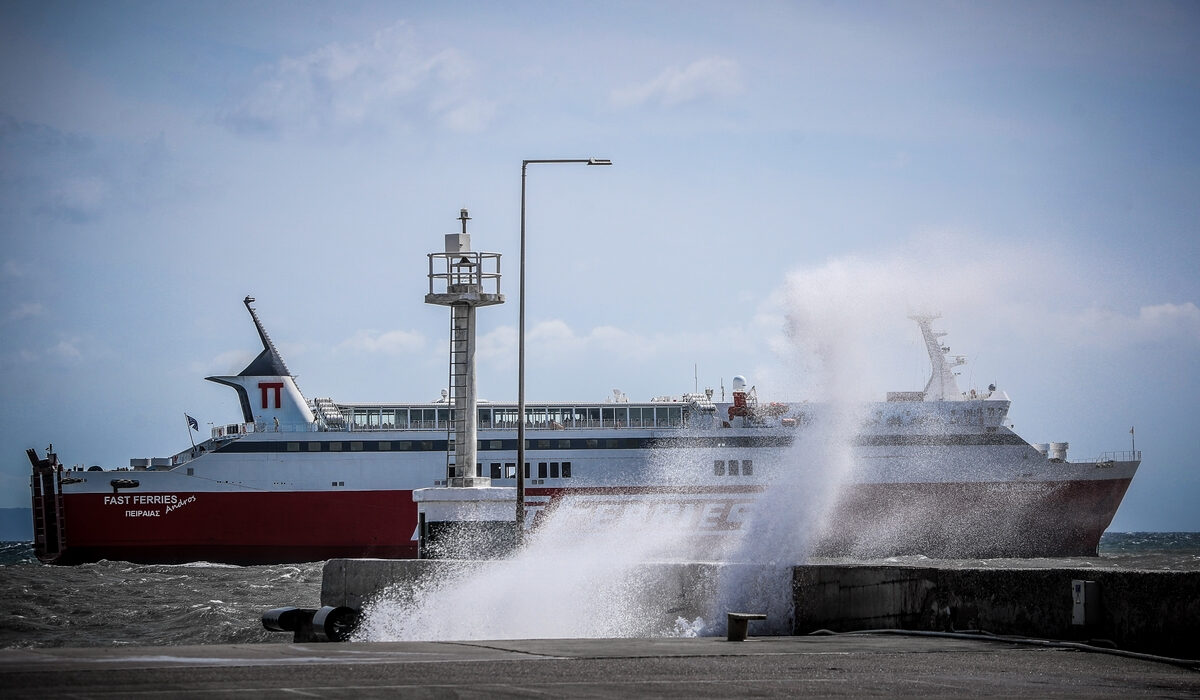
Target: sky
pixel 787 176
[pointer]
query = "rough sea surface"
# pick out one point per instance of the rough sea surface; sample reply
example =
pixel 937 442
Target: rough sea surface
pixel 113 603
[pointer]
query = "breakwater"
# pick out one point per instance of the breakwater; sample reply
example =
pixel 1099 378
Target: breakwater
pixel 1147 611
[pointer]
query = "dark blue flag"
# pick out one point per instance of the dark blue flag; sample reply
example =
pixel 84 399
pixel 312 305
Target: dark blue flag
pixel 192 423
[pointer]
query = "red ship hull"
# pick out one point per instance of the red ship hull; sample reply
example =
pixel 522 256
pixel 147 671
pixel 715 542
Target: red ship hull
pixel 239 528
pixel 1046 518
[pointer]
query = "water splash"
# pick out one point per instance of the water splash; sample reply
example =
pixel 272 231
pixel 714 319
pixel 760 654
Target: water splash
pixel 589 570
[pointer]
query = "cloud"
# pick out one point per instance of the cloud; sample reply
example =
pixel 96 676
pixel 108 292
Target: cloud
pixel 386 343
pixel 27 309
pixel 714 77
pixel 552 339
pixel 386 80
pixel 1155 323
pixel 229 362
pixel 844 316
pixel 78 198
pixel 66 349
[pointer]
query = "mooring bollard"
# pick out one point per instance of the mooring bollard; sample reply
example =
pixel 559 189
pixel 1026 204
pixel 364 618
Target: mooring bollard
pixel 738 624
pixel 327 624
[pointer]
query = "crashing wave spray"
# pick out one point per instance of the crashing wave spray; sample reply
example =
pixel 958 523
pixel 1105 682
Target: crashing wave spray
pixel 802 488
pixel 580 575
pixel 574 578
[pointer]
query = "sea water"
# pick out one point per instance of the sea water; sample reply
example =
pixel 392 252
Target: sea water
pixel 117 603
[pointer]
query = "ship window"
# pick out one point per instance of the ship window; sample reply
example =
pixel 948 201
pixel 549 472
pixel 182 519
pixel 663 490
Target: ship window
pixel 566 470
pixel 293 447
pixel 747 467
pixel 610 443
pixel 527 470
pixel 554 470
pixel 402 418
pixel 485 418
pixel 608 417
pixel 543 444
pixel 564 444
pixel 314 447
pixel 404 445
pixel 356 446
pixel 733 467
pixel 190 471
pixel 335 447
pixel 593 444
pixel 427 445
pixel 494 470
pixel 443 417
pixel 478 469
pixel 495 444
pixel 510 470
pixel 541 470
pixel 505 417
pixel 385 446
pixel 719 467
pixel 535 417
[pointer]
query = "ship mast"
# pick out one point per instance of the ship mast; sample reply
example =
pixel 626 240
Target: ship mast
pixel 941 385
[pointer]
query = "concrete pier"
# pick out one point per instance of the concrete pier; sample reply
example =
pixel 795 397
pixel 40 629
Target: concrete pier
pixel 671 590
pixel 1156 612
pixel 844 666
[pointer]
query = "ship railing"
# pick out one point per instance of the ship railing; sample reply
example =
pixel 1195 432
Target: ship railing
pixel 1118 456
pixel 585 424
pixel 233 430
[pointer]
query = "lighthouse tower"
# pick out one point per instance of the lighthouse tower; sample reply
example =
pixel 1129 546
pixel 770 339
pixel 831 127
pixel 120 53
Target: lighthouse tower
pixel 464 280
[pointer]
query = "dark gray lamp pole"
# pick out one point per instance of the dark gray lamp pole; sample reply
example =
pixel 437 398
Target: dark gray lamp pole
pixel 521 344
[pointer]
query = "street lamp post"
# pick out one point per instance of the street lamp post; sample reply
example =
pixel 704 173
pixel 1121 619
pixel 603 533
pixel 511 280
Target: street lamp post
pixel 521 343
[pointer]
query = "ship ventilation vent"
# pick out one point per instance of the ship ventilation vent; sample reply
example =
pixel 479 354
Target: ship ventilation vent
pixel 328 413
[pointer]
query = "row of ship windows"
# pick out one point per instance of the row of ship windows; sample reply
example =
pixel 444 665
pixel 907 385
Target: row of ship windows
pixel 551 470
pixel 426 445
pixel 357 446
pixel 733 467
pixel 535 417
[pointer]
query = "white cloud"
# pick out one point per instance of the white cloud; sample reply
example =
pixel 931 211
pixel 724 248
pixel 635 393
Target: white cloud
pixel 26 309
pixel 1152 324
pixel 66 349
pixel 707 77
pixel 387 343
pixel 383 81
pixel 79 198
pixel 12 268
pixel 227 363
pixel 844 316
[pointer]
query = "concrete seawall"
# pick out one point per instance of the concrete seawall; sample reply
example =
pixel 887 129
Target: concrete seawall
pixel 1148 611
pixel 1154 612
pixel 669 591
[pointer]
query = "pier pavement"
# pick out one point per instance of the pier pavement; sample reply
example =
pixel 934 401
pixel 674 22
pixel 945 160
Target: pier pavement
pixel 838 666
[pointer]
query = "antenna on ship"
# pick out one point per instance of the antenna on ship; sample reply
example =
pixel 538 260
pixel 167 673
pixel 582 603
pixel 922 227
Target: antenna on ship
pixel 463 279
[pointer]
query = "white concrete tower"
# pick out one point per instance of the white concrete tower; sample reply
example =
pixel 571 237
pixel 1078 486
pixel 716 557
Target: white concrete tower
pixel 463 280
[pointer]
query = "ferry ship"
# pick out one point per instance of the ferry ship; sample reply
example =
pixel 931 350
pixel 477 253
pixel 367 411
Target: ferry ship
pixel 937 472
